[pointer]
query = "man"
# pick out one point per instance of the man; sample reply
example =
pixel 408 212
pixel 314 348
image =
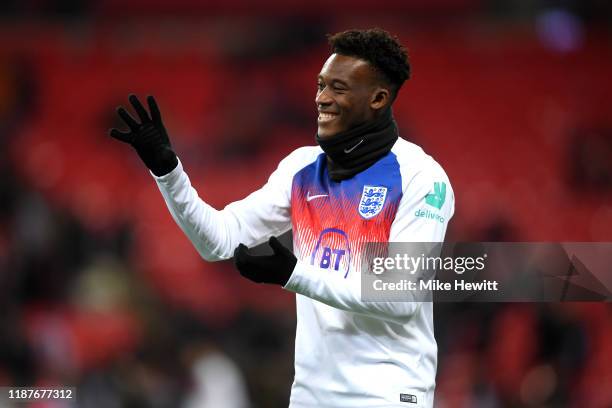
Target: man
pixel 362 183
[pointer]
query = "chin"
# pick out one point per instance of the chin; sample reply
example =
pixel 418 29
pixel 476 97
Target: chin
pixel 326 133
pixel 322 133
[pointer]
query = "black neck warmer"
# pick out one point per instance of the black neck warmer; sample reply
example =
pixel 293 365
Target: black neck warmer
pixel 356 149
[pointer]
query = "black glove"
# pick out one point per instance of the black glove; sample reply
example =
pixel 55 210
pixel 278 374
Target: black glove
pixel 149 137
pixel 275 268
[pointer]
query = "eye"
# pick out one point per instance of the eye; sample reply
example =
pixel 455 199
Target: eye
pixel 320 86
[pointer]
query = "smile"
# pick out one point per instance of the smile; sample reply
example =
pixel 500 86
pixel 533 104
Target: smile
pixel 326 117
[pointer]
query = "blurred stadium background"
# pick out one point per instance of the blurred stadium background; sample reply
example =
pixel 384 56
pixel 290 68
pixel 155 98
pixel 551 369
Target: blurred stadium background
pixel 100 290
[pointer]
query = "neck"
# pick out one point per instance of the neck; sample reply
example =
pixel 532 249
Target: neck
pixel 354 150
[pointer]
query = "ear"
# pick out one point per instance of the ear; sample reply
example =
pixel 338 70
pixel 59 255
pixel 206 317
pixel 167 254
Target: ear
pixel 381 97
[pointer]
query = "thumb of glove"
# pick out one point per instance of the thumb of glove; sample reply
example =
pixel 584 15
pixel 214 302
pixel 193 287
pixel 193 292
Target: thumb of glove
pixel 277 247
pixel 286 258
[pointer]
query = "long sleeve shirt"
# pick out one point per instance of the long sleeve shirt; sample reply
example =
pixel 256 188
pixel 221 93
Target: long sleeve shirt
pixel 348 353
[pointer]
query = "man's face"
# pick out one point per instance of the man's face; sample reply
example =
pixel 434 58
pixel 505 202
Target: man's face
pixel 345 88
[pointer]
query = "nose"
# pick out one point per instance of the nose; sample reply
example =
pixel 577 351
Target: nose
pixel 323 98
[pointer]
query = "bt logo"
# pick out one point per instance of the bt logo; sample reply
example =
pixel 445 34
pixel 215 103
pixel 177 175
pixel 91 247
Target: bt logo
pixel 326 257
pixel 332 251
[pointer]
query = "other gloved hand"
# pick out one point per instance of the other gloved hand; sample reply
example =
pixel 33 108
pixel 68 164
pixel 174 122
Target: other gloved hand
pixel 149 137
pixel 275 268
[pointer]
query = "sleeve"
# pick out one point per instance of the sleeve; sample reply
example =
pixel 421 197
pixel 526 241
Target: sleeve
pixel 426 208
pixel 427 191
pixel 215 234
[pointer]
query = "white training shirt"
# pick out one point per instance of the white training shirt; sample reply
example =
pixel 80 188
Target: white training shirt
pixel 348 353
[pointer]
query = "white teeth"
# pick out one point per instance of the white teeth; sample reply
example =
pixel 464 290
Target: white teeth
pixel 326 116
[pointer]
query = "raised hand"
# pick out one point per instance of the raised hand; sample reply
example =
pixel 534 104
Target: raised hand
pixel 149 137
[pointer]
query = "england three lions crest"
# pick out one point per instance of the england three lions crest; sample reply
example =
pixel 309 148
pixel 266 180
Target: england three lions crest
pixel 372 201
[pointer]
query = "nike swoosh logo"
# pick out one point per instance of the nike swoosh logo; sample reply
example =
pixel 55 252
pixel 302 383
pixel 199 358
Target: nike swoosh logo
pixel 347 151
pixel 309 197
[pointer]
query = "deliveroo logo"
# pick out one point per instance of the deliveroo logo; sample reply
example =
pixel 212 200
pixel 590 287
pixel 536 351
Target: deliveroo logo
pixel 436 199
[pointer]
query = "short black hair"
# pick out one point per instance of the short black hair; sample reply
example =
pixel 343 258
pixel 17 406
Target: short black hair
pixel 383 51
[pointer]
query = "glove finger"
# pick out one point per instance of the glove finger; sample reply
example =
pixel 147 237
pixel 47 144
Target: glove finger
pixel 243 263
pixel 240 255
pixel 128 119
pixel 237 251
pixel 140 110
pixel 155 115
pixel 121 136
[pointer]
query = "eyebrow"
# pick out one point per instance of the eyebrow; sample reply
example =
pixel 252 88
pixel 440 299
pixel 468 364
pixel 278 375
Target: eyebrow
pixel 335 80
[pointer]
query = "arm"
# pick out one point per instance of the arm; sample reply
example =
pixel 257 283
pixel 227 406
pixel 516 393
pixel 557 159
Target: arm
pixel 284 269
pixel 215 234
pixel 345 294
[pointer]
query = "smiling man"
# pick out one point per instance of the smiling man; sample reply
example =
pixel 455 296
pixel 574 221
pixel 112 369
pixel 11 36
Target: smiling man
pixel 362 183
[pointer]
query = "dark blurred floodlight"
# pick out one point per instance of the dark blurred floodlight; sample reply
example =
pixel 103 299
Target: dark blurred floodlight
pixel 559 30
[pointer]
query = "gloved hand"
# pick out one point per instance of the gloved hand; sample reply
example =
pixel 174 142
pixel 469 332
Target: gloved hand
pixel 275 268
pixel 149 137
